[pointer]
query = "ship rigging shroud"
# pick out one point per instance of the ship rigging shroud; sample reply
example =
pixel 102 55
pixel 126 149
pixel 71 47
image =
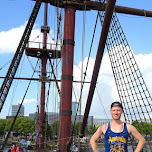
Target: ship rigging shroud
pixel 131 87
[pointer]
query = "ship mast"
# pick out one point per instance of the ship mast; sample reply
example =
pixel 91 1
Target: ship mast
pixel 67 79
pixel 44 54
pixel 43 76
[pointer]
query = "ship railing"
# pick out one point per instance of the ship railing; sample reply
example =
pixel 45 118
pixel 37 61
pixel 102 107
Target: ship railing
pixel 41 45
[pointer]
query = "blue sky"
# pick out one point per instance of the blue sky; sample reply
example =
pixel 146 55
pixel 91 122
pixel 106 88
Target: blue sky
pixel 14 15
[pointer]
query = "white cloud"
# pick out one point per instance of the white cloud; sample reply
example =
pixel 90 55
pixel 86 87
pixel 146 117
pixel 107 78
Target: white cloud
pixel 27 101
pixel 11 38
pixel 144 63
pixel 104 87
pixel 106 84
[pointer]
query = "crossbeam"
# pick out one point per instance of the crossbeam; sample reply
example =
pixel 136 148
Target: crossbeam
pixel 94 5
pixel 38 79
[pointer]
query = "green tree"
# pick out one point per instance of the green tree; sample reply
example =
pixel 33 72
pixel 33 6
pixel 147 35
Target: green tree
pixel 8 125
pixel 77 127
pixel 92 129
pixel 143 127
pixel 2 124
pixel 24 125
pixel 16 125
pixel 48 130
pixel 98 126
pixel 54 128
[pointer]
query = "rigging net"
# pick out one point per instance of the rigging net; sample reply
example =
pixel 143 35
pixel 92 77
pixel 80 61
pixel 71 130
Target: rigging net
pixel 132 90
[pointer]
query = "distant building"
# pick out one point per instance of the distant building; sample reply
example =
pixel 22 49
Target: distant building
pixel 79 118
pixel 74 107
pixel 100 121
pixel 53 117
pixel 10 117
pixel 13 117
pixel 15 109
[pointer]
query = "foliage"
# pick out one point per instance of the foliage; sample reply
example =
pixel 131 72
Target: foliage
pixel 88 130
pixel 54 129
pixel 143 127
pixel 77 127
pixel 48 131
pixel 92 129
pixel 98 126
pixel 25 125
pixel 2 124
pixel 7 125
pixel 22 125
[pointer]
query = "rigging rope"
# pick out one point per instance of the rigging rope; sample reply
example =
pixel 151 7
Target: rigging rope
pixel 15 88
pixel 130 84
pixel 47 114
pixel 5 64
pixel 58 88
pixel 106 116
pixel 55 63
pixel 82 84
pixel 11 127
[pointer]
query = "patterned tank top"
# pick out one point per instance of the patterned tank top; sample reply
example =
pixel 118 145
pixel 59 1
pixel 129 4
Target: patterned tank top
pixel 116 142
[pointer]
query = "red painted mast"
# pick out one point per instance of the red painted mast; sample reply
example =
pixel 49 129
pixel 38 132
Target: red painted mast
pixel 43 53
pixel 67 78
pixel 43 75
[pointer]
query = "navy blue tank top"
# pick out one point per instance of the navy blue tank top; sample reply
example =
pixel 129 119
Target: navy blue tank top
pixel 116 142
